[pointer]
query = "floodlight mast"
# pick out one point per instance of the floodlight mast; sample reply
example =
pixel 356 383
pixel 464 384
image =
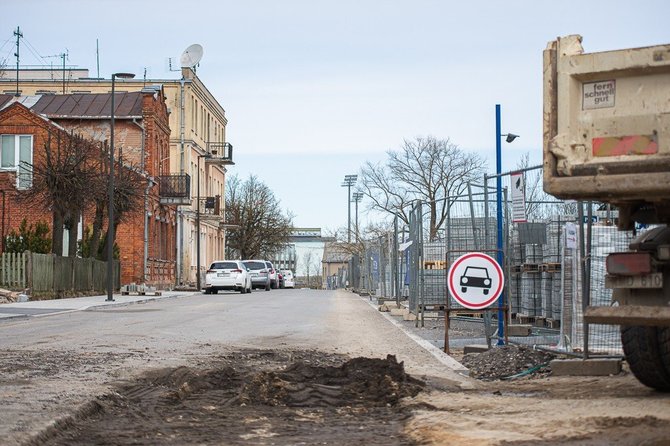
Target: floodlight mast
pixel 349 180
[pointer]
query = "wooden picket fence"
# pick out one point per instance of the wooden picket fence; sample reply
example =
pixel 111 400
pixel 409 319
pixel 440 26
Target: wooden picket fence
pixel 51 274
pixel 13 270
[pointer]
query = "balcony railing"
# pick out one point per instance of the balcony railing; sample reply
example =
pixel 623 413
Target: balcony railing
pixel 220 153
pixel 175 189
pixel 211 208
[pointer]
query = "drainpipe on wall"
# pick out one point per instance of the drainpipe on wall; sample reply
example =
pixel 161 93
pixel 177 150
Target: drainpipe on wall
pixel 180 216
pixel 145 258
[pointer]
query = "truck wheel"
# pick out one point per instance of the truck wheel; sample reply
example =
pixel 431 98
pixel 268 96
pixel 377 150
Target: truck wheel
pixel 664 346
pixel 641 347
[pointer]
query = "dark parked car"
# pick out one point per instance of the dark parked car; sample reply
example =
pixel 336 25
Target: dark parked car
pixel 274 281
pixel 280 278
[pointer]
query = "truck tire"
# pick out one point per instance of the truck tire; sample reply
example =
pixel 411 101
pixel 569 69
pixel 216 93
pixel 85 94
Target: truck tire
pixel 664 346
pixel 641 347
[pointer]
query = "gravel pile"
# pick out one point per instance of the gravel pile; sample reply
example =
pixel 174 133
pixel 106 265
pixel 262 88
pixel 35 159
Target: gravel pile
pixel 505 361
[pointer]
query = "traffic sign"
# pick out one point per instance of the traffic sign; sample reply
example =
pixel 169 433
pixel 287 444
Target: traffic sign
pixel 475 280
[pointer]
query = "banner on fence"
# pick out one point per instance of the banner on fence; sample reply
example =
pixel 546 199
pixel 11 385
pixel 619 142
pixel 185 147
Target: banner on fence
pixel 518 198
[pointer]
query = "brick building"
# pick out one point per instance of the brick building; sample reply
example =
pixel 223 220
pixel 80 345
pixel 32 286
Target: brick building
pixel 198 148
pixel 147 236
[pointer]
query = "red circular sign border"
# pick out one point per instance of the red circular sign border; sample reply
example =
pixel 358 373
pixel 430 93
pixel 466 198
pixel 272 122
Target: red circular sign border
pixel 498 290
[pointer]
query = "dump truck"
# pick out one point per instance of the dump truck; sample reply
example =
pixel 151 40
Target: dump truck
pixel 607 139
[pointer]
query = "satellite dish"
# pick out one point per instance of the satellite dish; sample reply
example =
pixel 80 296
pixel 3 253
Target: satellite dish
pixel 191 56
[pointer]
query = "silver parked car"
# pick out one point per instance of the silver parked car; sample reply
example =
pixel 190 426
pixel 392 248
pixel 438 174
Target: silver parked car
pixel 227 275
pixel 259 272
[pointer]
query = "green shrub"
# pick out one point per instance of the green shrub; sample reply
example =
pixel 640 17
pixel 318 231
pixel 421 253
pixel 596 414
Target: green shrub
pixel 34 238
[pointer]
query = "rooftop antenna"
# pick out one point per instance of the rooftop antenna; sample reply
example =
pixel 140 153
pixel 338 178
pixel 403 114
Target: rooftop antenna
pixel 62 56
pixel 97 57
pixel 18 35
pixel 170 65
pixel 191 56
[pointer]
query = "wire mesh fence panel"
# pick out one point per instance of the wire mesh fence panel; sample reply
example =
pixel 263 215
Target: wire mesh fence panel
pixel 542 265
pixel 602 339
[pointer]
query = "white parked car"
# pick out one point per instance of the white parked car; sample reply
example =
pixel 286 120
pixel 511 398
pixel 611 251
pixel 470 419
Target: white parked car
pixel 289 280
pixel 227 275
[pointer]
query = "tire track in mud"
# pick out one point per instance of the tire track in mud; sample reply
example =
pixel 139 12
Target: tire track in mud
pixel 251 397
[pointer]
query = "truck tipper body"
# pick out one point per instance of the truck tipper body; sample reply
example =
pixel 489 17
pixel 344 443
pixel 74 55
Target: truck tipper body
pixel 607 139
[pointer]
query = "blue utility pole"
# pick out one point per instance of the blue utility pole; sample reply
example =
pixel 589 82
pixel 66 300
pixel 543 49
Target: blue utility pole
pixel 499 221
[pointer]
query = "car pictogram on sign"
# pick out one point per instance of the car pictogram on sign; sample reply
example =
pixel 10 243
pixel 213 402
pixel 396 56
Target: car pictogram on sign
pixel 475 276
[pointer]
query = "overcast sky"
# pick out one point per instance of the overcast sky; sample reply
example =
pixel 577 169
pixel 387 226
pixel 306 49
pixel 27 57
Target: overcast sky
pixel 312 89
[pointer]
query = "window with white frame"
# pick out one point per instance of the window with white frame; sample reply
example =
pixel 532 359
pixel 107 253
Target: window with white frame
pixel 16 154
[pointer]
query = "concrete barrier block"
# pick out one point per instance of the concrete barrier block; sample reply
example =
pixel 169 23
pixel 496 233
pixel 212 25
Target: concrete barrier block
pixel 399 311
pixel 408 316
pixel 519 330
pixel 588 367
pixel 475 348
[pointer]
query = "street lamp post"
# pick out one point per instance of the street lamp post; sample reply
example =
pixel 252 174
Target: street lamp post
pixel 349 180
pixel 358 196
pixel 214 158
pixel 499 216
pixel 110 204
pixel 197 225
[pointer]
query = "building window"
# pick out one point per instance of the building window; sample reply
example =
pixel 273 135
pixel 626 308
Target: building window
pixel 16 154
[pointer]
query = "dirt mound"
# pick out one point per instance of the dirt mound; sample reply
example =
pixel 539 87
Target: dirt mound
pixel 360 381
pixel 251 397
pixel 505 361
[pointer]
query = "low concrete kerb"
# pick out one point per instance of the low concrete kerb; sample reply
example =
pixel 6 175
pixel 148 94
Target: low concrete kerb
pixel 586 367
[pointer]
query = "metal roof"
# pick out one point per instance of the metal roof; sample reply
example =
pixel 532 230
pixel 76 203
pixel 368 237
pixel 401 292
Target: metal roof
pixel 89 105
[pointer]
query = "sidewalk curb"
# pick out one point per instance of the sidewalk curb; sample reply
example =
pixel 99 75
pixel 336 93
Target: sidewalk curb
pixel 97 306
pixel 133 302
pixel 438 354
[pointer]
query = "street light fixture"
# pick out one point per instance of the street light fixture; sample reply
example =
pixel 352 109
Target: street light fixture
pixel 358 196
pixel 349 180
pixel 499 216
pixel 110 204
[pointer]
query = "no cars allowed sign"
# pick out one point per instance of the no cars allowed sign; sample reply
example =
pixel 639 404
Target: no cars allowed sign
pixel 475 280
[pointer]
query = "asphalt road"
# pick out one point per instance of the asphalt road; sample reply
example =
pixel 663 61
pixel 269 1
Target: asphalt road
pixel 52 364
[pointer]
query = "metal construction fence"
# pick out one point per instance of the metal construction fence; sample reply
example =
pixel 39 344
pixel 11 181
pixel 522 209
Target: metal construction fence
pixel 553 264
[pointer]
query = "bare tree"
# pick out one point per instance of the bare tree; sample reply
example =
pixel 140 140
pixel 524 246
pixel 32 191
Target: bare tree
pixel 263 229
pixel 428 169
pixel 61 182
pixel 539 204
pixel 72 177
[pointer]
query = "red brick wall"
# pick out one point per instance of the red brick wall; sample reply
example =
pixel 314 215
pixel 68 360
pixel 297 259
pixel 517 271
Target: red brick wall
pixel 18 120
pixel 160 267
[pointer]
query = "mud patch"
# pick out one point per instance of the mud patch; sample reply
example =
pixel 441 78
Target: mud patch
pixel 357 382
pixel 252 397
pixel 16 365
